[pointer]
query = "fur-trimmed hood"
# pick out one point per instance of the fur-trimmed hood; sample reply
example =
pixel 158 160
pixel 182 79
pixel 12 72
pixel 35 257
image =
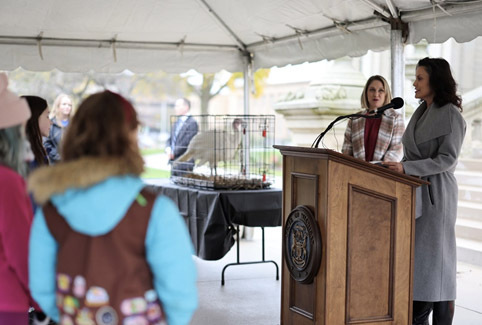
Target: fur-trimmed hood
pixel 82 173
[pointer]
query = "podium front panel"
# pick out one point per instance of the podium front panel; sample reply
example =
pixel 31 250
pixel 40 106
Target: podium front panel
pixel 302 303
pixel 368 254
pixel 370 244
pixel 302 298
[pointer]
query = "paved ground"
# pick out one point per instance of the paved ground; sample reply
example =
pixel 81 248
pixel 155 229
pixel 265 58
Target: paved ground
pixel 469 295
pixel 252 296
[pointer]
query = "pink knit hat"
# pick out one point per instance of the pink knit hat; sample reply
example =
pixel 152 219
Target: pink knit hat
pixel 13 109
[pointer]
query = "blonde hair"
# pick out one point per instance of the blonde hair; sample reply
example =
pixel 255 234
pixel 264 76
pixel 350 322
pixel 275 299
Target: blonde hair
pixel 54 111
pixel 386 87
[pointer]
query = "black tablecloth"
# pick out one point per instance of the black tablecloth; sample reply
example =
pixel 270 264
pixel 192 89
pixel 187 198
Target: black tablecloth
pixel 211 215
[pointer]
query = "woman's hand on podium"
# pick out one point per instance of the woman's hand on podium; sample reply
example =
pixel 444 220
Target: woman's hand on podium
pixel 396 166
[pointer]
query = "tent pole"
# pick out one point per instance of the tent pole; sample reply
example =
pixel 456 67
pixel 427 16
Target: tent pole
pixel 397 59
pixel 246 77
pixel 247 82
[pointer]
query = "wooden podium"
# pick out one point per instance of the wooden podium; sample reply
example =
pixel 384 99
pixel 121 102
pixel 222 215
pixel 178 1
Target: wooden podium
pixel 353 263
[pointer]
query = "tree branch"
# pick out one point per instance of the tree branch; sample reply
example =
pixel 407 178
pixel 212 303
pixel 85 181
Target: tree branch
pixel 219 90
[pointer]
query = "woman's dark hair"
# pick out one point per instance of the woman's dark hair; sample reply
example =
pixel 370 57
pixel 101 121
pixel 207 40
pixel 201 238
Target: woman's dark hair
pixel 102 127
pixel 441 81
pixel 37 106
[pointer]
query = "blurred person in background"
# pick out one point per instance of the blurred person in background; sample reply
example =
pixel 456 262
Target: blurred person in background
pixel 103 247
pixel 60 116
pixel 15 209
pixel 182 132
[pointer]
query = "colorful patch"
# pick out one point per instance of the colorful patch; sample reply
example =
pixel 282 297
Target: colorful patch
pixel 63 282
pixel 96 297
pixel 66 320
pixel 136 320
pixel 106 316
pixel 150 295
pixel 85 317
pixel 71 304
pixel 133 306
pixel 79 286
pixel 141 200
pixel 154 312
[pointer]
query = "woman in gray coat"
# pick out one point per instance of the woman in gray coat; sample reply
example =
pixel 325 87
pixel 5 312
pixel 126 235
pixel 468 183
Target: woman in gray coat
pixel 432 143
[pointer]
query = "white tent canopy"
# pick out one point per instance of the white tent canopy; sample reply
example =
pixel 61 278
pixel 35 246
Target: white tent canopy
pixel 210 35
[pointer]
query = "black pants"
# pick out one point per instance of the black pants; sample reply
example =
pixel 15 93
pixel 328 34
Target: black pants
pixel 443 312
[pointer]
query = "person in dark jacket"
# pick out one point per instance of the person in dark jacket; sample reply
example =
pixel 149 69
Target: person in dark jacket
pixel 60 116
pixel 182 132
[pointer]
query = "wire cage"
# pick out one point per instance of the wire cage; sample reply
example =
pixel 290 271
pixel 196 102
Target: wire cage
pixel 223 151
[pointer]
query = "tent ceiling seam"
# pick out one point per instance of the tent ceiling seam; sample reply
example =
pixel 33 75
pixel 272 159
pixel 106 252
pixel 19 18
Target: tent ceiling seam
pixel 428 13
pixel 329 31
pixel 377 8
pixel 393 9
pixel 224 26
pixel 106 43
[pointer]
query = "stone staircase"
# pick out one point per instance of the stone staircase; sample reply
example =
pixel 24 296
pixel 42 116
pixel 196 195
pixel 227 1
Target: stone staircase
pixel 468 227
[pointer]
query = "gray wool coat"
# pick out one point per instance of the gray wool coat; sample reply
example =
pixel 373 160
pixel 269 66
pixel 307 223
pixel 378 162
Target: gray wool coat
pixel 431 145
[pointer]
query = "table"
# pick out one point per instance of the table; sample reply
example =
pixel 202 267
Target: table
pixel 213 216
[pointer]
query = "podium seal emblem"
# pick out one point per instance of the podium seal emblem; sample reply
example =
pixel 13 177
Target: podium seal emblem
pixel 302 249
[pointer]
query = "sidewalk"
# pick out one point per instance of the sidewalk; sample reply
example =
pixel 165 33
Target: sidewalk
pixel 468 306
pixel 252 296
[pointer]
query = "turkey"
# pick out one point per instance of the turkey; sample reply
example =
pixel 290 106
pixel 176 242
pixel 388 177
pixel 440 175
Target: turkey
pixel 214 146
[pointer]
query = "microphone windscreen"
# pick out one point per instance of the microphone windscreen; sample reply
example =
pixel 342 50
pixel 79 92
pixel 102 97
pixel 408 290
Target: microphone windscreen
pixel 397 102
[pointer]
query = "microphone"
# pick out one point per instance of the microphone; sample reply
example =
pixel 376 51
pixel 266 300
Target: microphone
pixel 396 103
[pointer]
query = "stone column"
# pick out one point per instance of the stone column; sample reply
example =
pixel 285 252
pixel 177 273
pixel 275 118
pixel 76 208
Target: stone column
pixel 336 92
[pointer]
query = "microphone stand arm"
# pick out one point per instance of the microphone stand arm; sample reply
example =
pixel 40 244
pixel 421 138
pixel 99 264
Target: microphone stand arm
pixel 339 118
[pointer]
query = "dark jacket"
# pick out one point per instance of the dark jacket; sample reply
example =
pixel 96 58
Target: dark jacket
pixel 52 142
pixel 188 130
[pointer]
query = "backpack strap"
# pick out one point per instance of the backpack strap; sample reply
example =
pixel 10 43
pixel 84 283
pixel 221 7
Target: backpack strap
pixel 58 227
